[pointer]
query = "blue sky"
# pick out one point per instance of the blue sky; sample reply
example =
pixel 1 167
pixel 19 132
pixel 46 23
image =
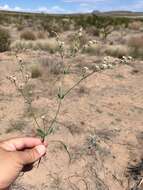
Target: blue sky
pixel 70 6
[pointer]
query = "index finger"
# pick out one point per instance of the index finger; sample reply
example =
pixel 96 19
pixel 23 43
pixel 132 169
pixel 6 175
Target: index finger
pixel 20 143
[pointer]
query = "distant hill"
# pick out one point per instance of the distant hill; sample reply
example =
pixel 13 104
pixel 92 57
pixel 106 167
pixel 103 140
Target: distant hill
pixel 119 13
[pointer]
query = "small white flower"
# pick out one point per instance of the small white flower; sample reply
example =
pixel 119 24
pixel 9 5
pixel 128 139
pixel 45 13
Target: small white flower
pixel 95 41
pixel 43 117
pixel 62 44
pixel 90 42
pixel 19 60
pixel 124 57
pixel 86 46
pixel 21 86
pixel 80 34
pixel 13 78
pixel 104 66
pixel 27 76
pixel 30 92
pixel 86 68
pixel 130 58
pixel 110 66
pixel 81 29
pixel 97 68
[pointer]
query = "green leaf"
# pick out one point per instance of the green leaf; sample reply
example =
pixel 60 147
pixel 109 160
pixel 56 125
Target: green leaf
pixel 41 133
pixel 66 71
pixel 50 130
pixel 66 149
pixel 60 94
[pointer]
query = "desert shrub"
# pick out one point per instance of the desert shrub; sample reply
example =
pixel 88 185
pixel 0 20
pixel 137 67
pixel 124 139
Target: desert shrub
pixel 44 45
pixel 41 35
pixel 106 30
pixel 135 25
pixel 93 31
pixel 20 27
pixel 95 49
pixel 51 26
pixel 82 39
pixel 65 24
pixel 4 40
pixel 54 66
pixel 117 50
pixel 136 45
pixel 20 45
pixel 35 71
pixel 28 35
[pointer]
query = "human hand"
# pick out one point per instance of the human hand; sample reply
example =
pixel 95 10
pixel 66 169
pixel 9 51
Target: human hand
pixel 15 154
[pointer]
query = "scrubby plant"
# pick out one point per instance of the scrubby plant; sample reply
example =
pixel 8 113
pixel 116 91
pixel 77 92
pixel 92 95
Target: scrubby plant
pixel 135 25
pixel 136 45
pixel 92 30
pixel 48 45
pixel 28 35
pixel 106 30
pixel 41 35
pixel 35 71
pixel 117 50
pixel 4 40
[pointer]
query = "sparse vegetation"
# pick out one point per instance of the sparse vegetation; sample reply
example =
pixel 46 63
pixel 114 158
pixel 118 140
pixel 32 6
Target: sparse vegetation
pixel 4 40
pixel 76 86
pixel 28 35
pixel 136 44
pixel 35 71
pixel 117 50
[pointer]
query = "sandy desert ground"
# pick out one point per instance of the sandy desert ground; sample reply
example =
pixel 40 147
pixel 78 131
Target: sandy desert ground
pixel 100 121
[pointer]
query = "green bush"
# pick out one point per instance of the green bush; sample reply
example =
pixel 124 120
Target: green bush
pixel 4 40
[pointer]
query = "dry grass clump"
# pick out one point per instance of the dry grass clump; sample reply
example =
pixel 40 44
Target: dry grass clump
pixel 135 25
pixel 41 35
pixel 93 31
pixel 95 49
pixel 136 45
pixel 4 40
pixel 35 71
pixel 20 45
pixel 49 45
pixel 83 39
pixel 28 35
pixel 54 66
pixel 117 50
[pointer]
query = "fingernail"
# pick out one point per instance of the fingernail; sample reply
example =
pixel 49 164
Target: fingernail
pixel 41 149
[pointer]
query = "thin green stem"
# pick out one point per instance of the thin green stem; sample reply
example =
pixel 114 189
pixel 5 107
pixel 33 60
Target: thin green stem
pixel 55 118
pixel 77 83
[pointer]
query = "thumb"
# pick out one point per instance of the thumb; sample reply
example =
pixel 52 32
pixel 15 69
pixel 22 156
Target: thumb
pixel 31 155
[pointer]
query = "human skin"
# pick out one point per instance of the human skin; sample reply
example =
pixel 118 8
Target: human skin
pixel 15 155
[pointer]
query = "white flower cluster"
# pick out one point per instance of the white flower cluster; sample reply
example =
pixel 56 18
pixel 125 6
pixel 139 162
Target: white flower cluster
pixel 13 79
pixel 80 33
pixel 103 66
pixel 90 43
pixel 126 60
pixel 43 117
pixel 61 44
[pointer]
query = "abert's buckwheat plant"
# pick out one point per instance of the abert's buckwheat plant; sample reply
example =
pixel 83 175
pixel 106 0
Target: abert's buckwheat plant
pixel 45 129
